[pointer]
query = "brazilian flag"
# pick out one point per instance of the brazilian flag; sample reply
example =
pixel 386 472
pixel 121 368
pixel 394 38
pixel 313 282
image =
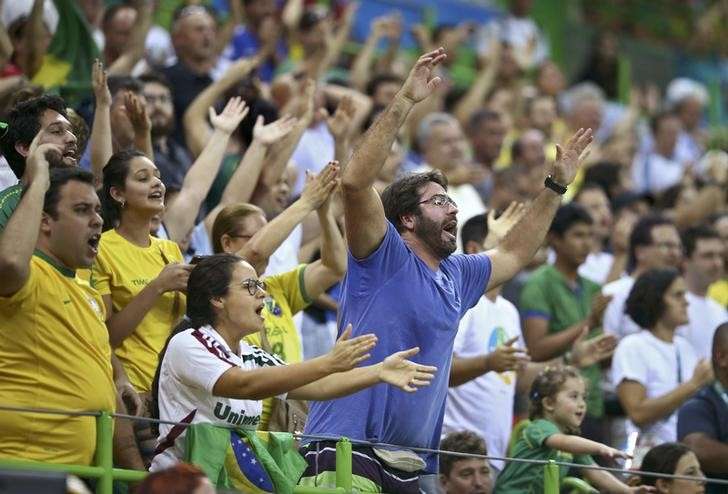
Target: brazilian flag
pixel 67 65
pixel 250 461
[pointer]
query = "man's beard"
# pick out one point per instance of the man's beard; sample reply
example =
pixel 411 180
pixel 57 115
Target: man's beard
pixel 162 130
pixel 431 235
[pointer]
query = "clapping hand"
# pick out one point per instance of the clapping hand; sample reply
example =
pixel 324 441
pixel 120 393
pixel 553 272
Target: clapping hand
pixel 586 352
pixel 349 352
pixel 570 157
pixel 421 81
pixel 230 117
pixel 404 374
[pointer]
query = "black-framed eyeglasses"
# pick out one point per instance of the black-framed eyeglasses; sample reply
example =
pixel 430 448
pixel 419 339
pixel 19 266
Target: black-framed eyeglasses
pixel 253 286
pixel 440 200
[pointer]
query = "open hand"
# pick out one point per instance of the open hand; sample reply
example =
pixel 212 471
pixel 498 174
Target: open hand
pixel 349 352
pixel 570 157
pixel 102 95
pixel 499 227
pixel 507 357
pixel 230 117
pixel 421 81
pixel 318 188
pixel 269 134
pixel 406 375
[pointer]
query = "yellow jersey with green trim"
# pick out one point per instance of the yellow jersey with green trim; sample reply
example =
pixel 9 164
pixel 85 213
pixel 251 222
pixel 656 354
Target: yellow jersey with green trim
pixel 54 354
pixel 122 269
pixel 286 297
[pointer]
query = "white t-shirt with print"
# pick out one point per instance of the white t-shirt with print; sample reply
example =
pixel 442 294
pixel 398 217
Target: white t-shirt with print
pixel 652 362
pixel 485 404
pixel 194 361
pixel 704 316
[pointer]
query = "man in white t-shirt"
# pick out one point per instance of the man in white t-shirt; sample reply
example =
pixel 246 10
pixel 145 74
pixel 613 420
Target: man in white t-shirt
pixel 654 243
pixel 704 265
pixel 657 170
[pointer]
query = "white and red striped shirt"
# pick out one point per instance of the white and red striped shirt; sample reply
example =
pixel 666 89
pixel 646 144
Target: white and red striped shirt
pixel 194 361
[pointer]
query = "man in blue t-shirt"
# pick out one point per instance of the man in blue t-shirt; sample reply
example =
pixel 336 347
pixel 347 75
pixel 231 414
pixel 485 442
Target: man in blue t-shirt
pixel 403 284
pixel 702 422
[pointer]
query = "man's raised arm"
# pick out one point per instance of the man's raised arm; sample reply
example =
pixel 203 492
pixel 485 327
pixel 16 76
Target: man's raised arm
pixel 524 239
pixel 363 210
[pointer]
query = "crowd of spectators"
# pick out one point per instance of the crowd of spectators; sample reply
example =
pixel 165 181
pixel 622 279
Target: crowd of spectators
pixel 252 138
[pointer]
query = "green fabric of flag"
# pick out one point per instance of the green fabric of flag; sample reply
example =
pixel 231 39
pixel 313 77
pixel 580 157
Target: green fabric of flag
pixel 67 65
pixel 251 461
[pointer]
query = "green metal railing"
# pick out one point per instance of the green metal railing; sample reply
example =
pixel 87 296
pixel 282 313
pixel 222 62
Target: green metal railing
pixel 103 468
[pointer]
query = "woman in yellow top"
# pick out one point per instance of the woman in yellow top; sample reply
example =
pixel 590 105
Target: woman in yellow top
pixel 142 278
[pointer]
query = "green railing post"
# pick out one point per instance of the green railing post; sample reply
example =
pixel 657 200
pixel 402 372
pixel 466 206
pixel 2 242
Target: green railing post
pixel 343 464
pixel 551 478
pixel 104 452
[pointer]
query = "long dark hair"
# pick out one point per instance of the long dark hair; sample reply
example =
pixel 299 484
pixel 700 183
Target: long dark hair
pixel 115 173
pixel 662 459
pixel 210 278
pixel 646 301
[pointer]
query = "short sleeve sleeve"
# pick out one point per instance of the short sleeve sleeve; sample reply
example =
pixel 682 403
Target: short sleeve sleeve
pixel 383 263
pixel 533 301
pixel 474 275
pixel 190 359
pixel 629 363
pixel 697 415
pixel 24 298
pixel 291 286
pixel 101 276
pixel 538 431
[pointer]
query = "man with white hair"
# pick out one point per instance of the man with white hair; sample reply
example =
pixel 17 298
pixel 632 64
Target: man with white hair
pixel 688 99
pixel 444 147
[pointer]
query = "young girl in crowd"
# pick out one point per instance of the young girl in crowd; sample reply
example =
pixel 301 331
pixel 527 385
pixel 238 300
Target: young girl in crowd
pixel 558 407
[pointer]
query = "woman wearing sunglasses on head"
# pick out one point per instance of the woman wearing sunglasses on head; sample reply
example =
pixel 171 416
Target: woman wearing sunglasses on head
pixel 208 374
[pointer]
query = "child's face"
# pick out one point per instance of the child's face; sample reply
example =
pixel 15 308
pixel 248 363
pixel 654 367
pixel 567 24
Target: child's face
pixel 569 405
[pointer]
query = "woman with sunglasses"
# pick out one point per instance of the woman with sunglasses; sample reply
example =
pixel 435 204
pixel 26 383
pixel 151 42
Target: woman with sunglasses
pixel 208 374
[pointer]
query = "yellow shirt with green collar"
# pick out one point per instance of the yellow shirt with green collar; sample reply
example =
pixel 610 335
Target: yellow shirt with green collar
pixel 54 353
pixel 286 297
pixel 122 269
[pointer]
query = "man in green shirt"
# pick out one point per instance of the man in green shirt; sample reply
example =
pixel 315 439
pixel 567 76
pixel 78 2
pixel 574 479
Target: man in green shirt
pixel 46 114
pixel 558 306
